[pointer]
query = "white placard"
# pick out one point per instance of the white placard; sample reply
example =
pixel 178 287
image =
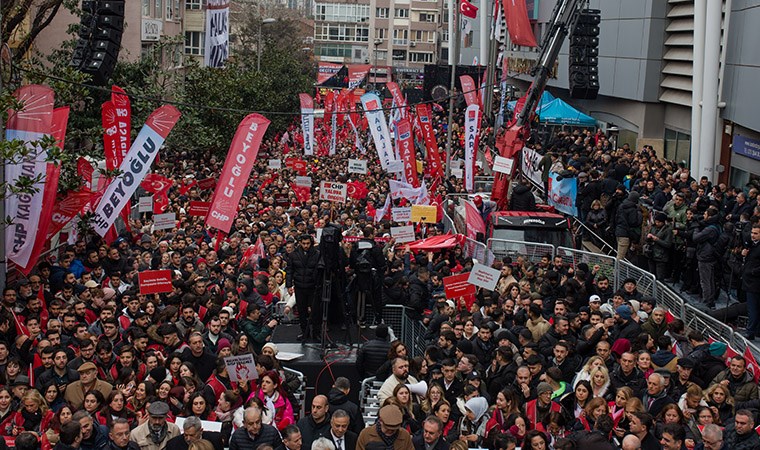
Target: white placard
pixel 401 214
pixel 332 191
pixel 484 276
pixel 456 164
pixel 395 166
pixel 275 164
pixel 319 234
pixel 241 368
pixel 303 181
pixel 164 221
pixel 206 424
pixel 357 166
pixel 458 173
pixel 403 234
pixel 503 165
pixel 145 204
pixel 288 356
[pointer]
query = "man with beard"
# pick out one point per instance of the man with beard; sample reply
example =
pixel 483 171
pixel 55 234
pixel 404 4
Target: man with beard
pixel 188 320
pixel 156 432
pixel 202 359
pixel 400 375
pixel 301 279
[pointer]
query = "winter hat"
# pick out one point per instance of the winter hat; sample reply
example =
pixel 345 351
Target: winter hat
pixel 465 346
pixel 544 387
pixel 634 196
pixel 223 343
pixel 624 312
pixel 274 348
pixel 478 406
pixel 620 346
pixel 717 348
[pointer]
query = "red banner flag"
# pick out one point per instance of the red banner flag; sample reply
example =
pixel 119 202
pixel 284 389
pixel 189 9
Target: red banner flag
pixel 303 193
pixel 85 171
pixel 469 90
pixel 398 98
pixel 237 168
pixel 431 143
pixel 518 23
pixel 357 190
pixel 474 221
pixel 356 74
pixel 66 209
pixel 405 147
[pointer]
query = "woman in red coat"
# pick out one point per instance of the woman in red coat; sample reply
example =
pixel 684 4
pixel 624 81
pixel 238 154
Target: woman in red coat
pixel 33 415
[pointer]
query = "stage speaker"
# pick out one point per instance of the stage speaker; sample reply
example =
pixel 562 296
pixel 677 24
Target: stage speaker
pixel 584 56
pixel 100 32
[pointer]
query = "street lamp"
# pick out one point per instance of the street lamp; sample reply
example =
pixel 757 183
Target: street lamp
pixel 258 47
pixel 378 41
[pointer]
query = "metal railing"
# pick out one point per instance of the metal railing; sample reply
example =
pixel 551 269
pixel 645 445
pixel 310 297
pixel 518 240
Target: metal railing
pixel 300 393
pixel 645 281
pixel 607 264
pixel 410 332
pixel 532 251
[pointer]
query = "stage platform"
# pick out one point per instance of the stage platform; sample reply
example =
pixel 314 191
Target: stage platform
pixel 321 370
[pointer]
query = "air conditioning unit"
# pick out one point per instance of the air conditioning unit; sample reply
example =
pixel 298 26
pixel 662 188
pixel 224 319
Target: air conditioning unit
pixel 412 44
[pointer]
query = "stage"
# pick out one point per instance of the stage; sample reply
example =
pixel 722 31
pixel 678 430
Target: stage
pixel 321 371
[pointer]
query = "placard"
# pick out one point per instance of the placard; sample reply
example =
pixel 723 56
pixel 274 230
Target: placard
pixel 357 166
pixel 199 209
pixel 241 368
pixel 457 173
pixel 457 286
pixel 395 166
pixel 207 425
pixel 164 221
pixel 484 276
pixel 207 183
pixel 424 213
pixel 155 281
pixel 275 164
pixel 332 191
pixel 303 181
pixel 420 167
pixel 145 204
pixel 503 165
pixel 456 164
pixel 403 234
pixel 298 165
pixel 401 214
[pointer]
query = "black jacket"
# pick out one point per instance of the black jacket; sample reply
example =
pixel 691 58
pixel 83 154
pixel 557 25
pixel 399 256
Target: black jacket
pixel 349 440
pixel 268 434
pixel 705 240
pixel 419 443
pixel 501 378
pixel 311 430
pixel 549 340
pixel 634 381
pixel 338 400
pixel 419 297
pixel 522 199
pixel 179 443
pixel 371 356
pixel 302 268
pixel 751 269
pixel 627 219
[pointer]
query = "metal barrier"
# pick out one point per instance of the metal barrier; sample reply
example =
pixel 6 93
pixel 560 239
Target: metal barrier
pixel 514 249
pixel 448 223
pixel 699 321
pixel 393 317
pixel 607 264
pixel 300 393
pixel 669 299
pixel 645 281
pixel 410 332
pixel 478 250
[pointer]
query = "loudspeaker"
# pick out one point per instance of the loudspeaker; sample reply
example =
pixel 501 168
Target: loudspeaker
pixel 100 32
pixel 418 388
pixel 584 56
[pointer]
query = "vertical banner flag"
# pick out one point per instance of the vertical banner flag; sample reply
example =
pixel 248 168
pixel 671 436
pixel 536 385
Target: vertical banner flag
pixel 472 118
pixel 398 99
pixel 307 123
pixel 85 171
pixel 562 194
pixel 65 210
pixel 117 127
pixel 135 166
pixel 473 220
pixel 29 124
pixel 469 90
pixel 378 127
pixel 518 23
pixel 405 147
pixel 217 33
pixel 431 144
pixel 356 74
pixel 237 168
pixel 330 116
pixel 503 91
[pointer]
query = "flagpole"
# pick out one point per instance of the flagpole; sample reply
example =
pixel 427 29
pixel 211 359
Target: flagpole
pixel 453 58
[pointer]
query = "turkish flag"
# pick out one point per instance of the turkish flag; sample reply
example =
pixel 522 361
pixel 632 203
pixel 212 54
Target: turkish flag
pixel 468 9
pixel 474 221
pixel 155 183
pixel 518 23
pixel 752 366
pixel 357 190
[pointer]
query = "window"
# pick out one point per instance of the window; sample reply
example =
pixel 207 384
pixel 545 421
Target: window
pixel 194 4
pixel 382 13
pixel 160 9
pixel 333 50
pixel 677 145
pixel 381 33
pixel 420 57
pixel 445 35
pixel 401 13
pixel 427 17
pixel 400 37
pixel 341 32
pixel 146 8
pixel 399 55
pixel 194 41
pixel 334 12
pixel 424 36
pixel 172 10
pixel 380 55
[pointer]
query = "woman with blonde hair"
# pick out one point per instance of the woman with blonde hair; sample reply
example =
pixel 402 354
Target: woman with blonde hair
pixel 585 372
pixel 201 444
pixel 721 403
pixel 617 406
pixel 33 414
pixel 600 381
pixel 432 397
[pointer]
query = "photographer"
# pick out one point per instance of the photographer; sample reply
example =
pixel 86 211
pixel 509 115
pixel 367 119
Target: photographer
pixel 707 256
pixel 659 240
pixel 369 264
pixel 628 224
pixel 751 280
pixel 258 332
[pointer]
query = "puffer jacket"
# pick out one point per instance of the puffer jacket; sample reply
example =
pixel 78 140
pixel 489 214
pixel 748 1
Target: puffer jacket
pixel 522 199
pixel 302 268
pixel 628 218
pixel 705 240
pixel 419 296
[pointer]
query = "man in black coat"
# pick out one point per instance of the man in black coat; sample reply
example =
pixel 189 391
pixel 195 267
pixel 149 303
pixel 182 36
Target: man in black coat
pixel 316 423
pixel 751 281
pixel 522 198
pixel 338 432
pixel 627 222
pixel 369 264
pixel 373 353
pixel 301 278
pixel 192 431
pixel 338 400
pixel 419 294
pixel 429 438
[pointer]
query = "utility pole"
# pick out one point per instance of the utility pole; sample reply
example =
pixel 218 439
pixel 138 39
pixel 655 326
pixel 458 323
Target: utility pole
pixel 454 59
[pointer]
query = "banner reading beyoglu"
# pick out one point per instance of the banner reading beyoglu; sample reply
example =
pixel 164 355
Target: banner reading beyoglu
pixel 135 166
pixel 237 167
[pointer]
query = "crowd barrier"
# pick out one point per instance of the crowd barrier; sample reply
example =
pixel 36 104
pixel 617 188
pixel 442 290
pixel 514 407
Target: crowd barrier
pixel 531 251
pixel 410 332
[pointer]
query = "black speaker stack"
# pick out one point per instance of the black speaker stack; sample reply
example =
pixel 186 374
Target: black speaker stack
pixel 101 28
pixel 584 56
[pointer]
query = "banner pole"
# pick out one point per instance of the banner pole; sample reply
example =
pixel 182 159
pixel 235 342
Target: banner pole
pixel 453 58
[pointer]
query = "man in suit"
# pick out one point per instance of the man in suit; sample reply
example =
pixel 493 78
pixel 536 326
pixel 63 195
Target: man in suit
pixel 339 434
pixel 429 438
pixel 192 431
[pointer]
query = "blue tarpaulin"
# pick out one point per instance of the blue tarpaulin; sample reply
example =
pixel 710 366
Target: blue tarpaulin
pixel 555 111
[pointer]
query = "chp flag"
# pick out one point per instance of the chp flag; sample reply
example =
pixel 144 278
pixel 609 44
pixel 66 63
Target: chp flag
pixel 405 148
pixel 378 127
pixel 134 167
pixel 237 168
pixel 307 123
pixel 217 33
pixel 471 122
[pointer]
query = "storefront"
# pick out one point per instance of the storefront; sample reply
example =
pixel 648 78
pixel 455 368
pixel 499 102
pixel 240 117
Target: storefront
pixel 745 157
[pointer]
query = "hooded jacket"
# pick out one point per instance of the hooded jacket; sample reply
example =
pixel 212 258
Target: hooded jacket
pixel 706 238
pixel 628 218
pixel 338 400
pixel 522 199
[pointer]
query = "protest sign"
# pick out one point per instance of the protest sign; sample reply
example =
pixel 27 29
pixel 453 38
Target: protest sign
pixel 484 276
pixel 275 164
pixel 241 368
pixel 155 281
pixel 395 166
pixel 164 221
pixel 145 204
pixel 207 183
pixel 503 165
pixel 403 234
pixel 424 213
pixel 333 192
pixel 457 286
pixel 357 166
pixel 457 173
pixel 303 181
pixel 401 214
pixel 199 209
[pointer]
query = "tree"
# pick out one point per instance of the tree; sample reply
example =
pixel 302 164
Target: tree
pixel 23 20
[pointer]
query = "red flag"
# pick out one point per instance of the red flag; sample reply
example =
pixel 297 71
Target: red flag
pixel 518 23
pixel 50 191
pixel 752 366
pixel 186 187
pixel 405 147
pixel 474 221
pixel 489 156
pixel 357 190
pixel 237 168
pixel 431 144
pixel 66 209
pixel 468 9
pixel 469 90
pixel 85 171
pixel 155 183
pixel 303 193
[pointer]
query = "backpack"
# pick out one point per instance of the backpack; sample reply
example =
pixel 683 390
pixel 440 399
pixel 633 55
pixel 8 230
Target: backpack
pixel 364 262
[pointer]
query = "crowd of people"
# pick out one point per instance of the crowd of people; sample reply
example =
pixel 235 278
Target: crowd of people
pixel 556 357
